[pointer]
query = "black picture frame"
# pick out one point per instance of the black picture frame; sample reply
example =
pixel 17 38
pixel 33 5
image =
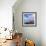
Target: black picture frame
pixel 29 19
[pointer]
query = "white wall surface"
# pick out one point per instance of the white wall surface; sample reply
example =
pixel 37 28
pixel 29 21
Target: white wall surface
pixel 32 33
pixel 38 34
pixel 6 13
pixel 43 22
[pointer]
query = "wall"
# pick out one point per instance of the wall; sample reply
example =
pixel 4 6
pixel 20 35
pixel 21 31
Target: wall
pixel 6 13
pixel 43 22
pixel 6 16
pixel 32 33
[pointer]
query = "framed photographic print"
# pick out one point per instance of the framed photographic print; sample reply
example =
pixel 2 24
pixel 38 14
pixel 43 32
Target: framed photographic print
pixel 29 19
